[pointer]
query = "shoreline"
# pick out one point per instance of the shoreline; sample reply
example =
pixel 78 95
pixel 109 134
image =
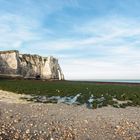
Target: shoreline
pixel 102 82
pixel 118 82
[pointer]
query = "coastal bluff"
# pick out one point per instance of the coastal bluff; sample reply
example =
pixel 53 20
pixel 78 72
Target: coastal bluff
pixel 12 63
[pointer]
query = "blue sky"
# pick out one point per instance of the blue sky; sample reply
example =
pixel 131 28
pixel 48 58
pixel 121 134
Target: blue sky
pixel 94 39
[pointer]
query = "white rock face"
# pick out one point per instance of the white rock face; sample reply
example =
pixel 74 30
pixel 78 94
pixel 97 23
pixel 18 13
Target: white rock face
pixel 8 62
pixel 30 66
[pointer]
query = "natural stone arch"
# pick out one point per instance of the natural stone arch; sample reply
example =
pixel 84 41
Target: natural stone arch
pixel 60 74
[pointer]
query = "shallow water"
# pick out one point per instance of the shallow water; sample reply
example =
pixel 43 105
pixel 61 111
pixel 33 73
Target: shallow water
pixel 110 80
pixel 54 99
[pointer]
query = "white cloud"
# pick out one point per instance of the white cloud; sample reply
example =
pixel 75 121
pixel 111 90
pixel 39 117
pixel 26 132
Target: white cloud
pixel 117 40
pixel 14 31
pixel 106 32
pixel 94 69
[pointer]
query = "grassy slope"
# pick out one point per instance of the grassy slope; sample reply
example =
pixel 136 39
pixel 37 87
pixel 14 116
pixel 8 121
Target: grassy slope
pixel 67 88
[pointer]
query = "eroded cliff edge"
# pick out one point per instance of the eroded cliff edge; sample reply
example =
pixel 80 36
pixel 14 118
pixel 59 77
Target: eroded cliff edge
pixel 29 66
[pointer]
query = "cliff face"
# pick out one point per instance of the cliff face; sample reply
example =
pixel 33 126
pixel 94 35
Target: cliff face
pixel 30 66
pixel 8 62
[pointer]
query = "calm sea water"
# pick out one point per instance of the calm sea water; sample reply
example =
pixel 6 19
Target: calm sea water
pixel 112 80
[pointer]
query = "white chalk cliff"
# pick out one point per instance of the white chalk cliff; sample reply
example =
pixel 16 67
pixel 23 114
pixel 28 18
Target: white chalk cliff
pixel 29 66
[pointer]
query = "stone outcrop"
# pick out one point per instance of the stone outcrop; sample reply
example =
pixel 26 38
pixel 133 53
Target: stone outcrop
pixel 29 66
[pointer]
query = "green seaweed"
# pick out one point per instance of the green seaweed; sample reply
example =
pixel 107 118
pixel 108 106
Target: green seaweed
pixel 120 92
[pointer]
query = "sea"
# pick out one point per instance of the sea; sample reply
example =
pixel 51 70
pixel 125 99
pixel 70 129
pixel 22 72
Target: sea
pixel 111 80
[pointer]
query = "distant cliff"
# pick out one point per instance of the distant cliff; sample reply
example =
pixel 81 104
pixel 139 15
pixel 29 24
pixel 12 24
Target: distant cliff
pixel 29 66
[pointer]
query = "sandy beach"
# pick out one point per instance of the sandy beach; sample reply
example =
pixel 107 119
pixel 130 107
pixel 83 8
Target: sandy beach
pixel 22 120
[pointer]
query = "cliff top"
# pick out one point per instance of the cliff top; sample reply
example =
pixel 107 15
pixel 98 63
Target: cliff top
pixel 33 55
pixel 9 51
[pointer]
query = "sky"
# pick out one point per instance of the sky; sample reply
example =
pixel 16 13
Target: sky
pixel 92 39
